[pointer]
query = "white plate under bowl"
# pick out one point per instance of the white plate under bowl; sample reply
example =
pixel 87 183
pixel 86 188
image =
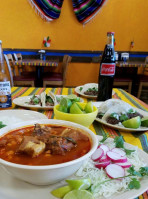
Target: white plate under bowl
pixel 21 101
pixel 9 117
pixel 144 113
pixel 12 188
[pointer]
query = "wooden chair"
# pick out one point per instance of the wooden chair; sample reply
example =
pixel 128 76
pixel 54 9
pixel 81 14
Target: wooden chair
pixel 10 59
pixel 143 79
pixel 17 56
pixel 57 79
pixel 18 80
pixel 22 70
pixel 122 80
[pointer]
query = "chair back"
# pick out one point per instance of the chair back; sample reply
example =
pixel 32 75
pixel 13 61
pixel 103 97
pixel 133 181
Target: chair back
pixel 9 69
pixel 66 60
pixel 145 68
pixel 17 56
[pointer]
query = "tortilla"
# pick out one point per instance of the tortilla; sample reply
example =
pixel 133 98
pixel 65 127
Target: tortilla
pixel 53 97
pixel 119 109
pixel 105 106
pixel 43 99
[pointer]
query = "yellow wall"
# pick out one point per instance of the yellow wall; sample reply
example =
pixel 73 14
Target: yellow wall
pixel 21 27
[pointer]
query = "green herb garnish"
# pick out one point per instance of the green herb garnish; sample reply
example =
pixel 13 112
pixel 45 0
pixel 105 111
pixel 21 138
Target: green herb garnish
pixel 131 111
pixel 81 88
pixel 114 115
pixel 2 125
pixel 119 143
pixel 49 99
pixel 123 117
pixel 105 136
pixel 134 184
pixel 92 89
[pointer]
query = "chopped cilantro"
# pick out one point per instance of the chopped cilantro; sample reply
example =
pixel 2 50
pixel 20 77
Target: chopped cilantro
pixel 114 115
pixel 2 125
pixel 81 88
pixel 131 111
pixel 123 117
pixel 133 172
pixel 134 184
pixel 119 143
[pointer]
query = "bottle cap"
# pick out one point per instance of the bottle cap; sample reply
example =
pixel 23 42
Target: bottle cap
pixel 111 33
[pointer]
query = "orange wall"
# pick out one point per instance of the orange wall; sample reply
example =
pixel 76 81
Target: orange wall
pixel 21 27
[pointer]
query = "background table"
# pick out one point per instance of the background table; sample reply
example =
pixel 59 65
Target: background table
pixel 39 67
pixel 139 139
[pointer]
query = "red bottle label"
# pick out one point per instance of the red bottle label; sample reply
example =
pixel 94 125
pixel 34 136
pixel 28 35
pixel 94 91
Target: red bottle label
pixel 107 69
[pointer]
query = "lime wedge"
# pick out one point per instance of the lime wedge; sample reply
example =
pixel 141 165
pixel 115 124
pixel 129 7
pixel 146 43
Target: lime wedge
pixel 89 107
pixel 65 102
pixel 63 109
pixel 78 194
pixel 144 121
pixel 132 123
pixel 79 184
pixel 60 192
pixel 73 98
pixel 74 109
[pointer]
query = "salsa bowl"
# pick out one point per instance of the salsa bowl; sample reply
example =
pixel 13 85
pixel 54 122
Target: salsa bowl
pixel 48 174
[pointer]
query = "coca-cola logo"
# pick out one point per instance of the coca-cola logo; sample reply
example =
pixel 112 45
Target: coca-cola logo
pixel 107 69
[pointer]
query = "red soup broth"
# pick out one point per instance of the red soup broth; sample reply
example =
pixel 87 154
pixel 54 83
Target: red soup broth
pixel 12 141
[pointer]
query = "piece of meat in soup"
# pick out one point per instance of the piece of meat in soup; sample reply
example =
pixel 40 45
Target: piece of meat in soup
pixel 75 135
pixel 31 146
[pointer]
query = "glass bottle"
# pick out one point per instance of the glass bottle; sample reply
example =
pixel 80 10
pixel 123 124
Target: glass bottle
pixel 5 89
pixel 107 70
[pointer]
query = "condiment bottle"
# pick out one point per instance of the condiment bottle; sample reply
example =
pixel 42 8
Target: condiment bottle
pixel 107 70
pixel 5 89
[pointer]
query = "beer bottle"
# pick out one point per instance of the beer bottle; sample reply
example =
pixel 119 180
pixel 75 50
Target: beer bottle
pixel 107 70
pixel 5 89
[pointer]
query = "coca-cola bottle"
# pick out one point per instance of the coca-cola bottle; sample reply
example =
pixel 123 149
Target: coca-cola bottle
pixel 107 70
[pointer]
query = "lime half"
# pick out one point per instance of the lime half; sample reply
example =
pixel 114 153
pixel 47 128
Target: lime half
pixel 60 192
pixel 132 123
pixel 79 184
pixel 78 194
pixel 144 121
pixel 75 109
pixel 65 102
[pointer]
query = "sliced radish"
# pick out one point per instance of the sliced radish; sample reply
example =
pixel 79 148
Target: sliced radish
pixel 114 171
pixel 113 156
pixel 120 151
pixel 104 159
pixel 125 164
pixel 97 154
pixel 121 160
pixel 104 147
pixel 100 165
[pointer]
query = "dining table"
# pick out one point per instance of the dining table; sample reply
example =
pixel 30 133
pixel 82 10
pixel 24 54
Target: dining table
pixel 135 64
pixel 132 69
pixel 39 65
pixel 139 139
